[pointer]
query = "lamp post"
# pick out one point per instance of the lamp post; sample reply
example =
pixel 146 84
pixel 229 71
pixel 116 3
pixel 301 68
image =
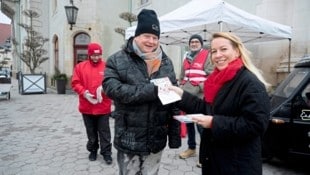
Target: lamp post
pixel 71 13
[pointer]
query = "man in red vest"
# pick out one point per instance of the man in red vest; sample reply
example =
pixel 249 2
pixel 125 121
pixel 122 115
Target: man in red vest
pixel 195 70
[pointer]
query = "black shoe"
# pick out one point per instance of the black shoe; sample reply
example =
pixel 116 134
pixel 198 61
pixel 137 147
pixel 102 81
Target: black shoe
pixel 107 159
pixel 92 156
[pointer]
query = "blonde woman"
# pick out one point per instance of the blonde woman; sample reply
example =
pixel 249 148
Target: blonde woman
pixel 235 107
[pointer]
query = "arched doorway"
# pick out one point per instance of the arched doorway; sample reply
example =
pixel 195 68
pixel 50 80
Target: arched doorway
pixel 81 41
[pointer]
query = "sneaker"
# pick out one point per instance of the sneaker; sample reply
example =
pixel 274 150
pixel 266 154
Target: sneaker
pixel 198 164
pixel 92 156
pixel 187 153
pixel 107 159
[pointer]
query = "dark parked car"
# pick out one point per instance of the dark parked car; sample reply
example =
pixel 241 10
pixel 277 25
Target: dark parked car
pixel 288 134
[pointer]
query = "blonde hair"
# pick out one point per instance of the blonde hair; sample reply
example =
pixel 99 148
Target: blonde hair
pixel 244 54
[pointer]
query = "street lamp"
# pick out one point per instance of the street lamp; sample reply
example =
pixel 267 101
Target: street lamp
pixel 71 12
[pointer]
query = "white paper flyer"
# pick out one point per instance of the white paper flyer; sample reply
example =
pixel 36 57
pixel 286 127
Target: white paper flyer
pixel 166 96
pixel 186 118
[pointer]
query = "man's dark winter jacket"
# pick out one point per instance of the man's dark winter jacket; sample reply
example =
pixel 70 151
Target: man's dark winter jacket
pixel 142 123
pixel 241 115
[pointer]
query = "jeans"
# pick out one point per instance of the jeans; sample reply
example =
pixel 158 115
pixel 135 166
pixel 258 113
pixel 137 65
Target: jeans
pixel 191 132
pixel 98 130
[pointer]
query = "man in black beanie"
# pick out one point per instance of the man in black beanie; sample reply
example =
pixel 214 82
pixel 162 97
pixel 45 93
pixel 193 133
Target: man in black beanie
pixel 196 67
pixel 147 23
pixel 196 36
pixel 142 124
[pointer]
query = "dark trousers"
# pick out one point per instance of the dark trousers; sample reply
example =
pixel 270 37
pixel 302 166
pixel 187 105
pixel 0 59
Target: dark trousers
pixel 133 164
pixel 191 133
pixel 98 130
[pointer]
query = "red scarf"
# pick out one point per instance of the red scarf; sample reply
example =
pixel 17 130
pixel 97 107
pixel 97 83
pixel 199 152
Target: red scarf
pixel 218 78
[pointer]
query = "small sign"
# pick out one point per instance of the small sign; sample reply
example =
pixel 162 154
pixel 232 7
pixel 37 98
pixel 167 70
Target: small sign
pixel 305 114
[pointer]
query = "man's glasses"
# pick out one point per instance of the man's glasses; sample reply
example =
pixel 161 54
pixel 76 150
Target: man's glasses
pixel 194 42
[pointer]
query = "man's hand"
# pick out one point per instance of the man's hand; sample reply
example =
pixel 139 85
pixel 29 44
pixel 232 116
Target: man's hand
pixel 99 94
pixel 177 90
pixel 89 97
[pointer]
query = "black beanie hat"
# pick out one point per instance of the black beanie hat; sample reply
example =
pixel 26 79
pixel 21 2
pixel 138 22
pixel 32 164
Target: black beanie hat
pixel 148 23
pixel 196 36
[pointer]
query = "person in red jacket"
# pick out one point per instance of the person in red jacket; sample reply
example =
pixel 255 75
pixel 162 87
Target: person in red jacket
pixel 94 105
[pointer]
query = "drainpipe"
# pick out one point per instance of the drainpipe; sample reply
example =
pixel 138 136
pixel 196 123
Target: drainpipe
pixel 18 33
pixel 289 55
pixel 130 6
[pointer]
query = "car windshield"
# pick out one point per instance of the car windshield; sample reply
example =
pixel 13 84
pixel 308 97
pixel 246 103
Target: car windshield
pixel 4 72
pixel 288 86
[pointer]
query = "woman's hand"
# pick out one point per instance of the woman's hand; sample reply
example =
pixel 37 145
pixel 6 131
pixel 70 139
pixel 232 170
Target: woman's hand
pixel 205 120
pixel 177 90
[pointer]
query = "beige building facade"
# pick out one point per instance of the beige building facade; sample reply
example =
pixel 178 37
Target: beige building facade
pixel 97 20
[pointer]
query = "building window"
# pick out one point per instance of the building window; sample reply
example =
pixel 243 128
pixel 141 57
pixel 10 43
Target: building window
pixel 56 57
pixel 56 52
pixel 81 41
pixel 144 2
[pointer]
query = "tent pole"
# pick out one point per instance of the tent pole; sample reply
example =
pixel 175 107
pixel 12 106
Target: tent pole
pixel 289 56
pixel 205 37
pixel 221 26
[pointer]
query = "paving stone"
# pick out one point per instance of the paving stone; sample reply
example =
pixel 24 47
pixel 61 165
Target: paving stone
pixel 44 134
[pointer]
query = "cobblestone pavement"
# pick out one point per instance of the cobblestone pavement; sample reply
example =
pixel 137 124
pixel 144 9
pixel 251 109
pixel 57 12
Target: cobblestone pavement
pixel 44 134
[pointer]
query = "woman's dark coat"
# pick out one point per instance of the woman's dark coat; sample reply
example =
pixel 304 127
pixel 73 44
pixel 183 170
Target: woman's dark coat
pixel 240 117
pixel 142 123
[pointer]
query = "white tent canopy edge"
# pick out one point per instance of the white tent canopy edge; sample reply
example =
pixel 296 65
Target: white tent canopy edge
pixel 212 16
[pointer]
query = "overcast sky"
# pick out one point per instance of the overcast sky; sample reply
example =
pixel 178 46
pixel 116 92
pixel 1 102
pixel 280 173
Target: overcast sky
pixel 4 19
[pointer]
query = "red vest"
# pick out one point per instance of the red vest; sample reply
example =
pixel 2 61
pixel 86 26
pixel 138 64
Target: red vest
pixel 194 71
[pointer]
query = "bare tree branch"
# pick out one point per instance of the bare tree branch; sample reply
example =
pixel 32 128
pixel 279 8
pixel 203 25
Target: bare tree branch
pixel 33 53
pixel 127 16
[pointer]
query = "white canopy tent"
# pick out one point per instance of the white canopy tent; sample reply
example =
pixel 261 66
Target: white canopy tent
pixel 205 17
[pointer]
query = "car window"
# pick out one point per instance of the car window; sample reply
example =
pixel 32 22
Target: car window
pixel 5 72
pixel 290 84
pixel 287 90
pixel 301 104
pixel 306 95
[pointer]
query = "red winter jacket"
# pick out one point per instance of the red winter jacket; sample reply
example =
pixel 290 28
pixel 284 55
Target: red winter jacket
pixel 89 76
